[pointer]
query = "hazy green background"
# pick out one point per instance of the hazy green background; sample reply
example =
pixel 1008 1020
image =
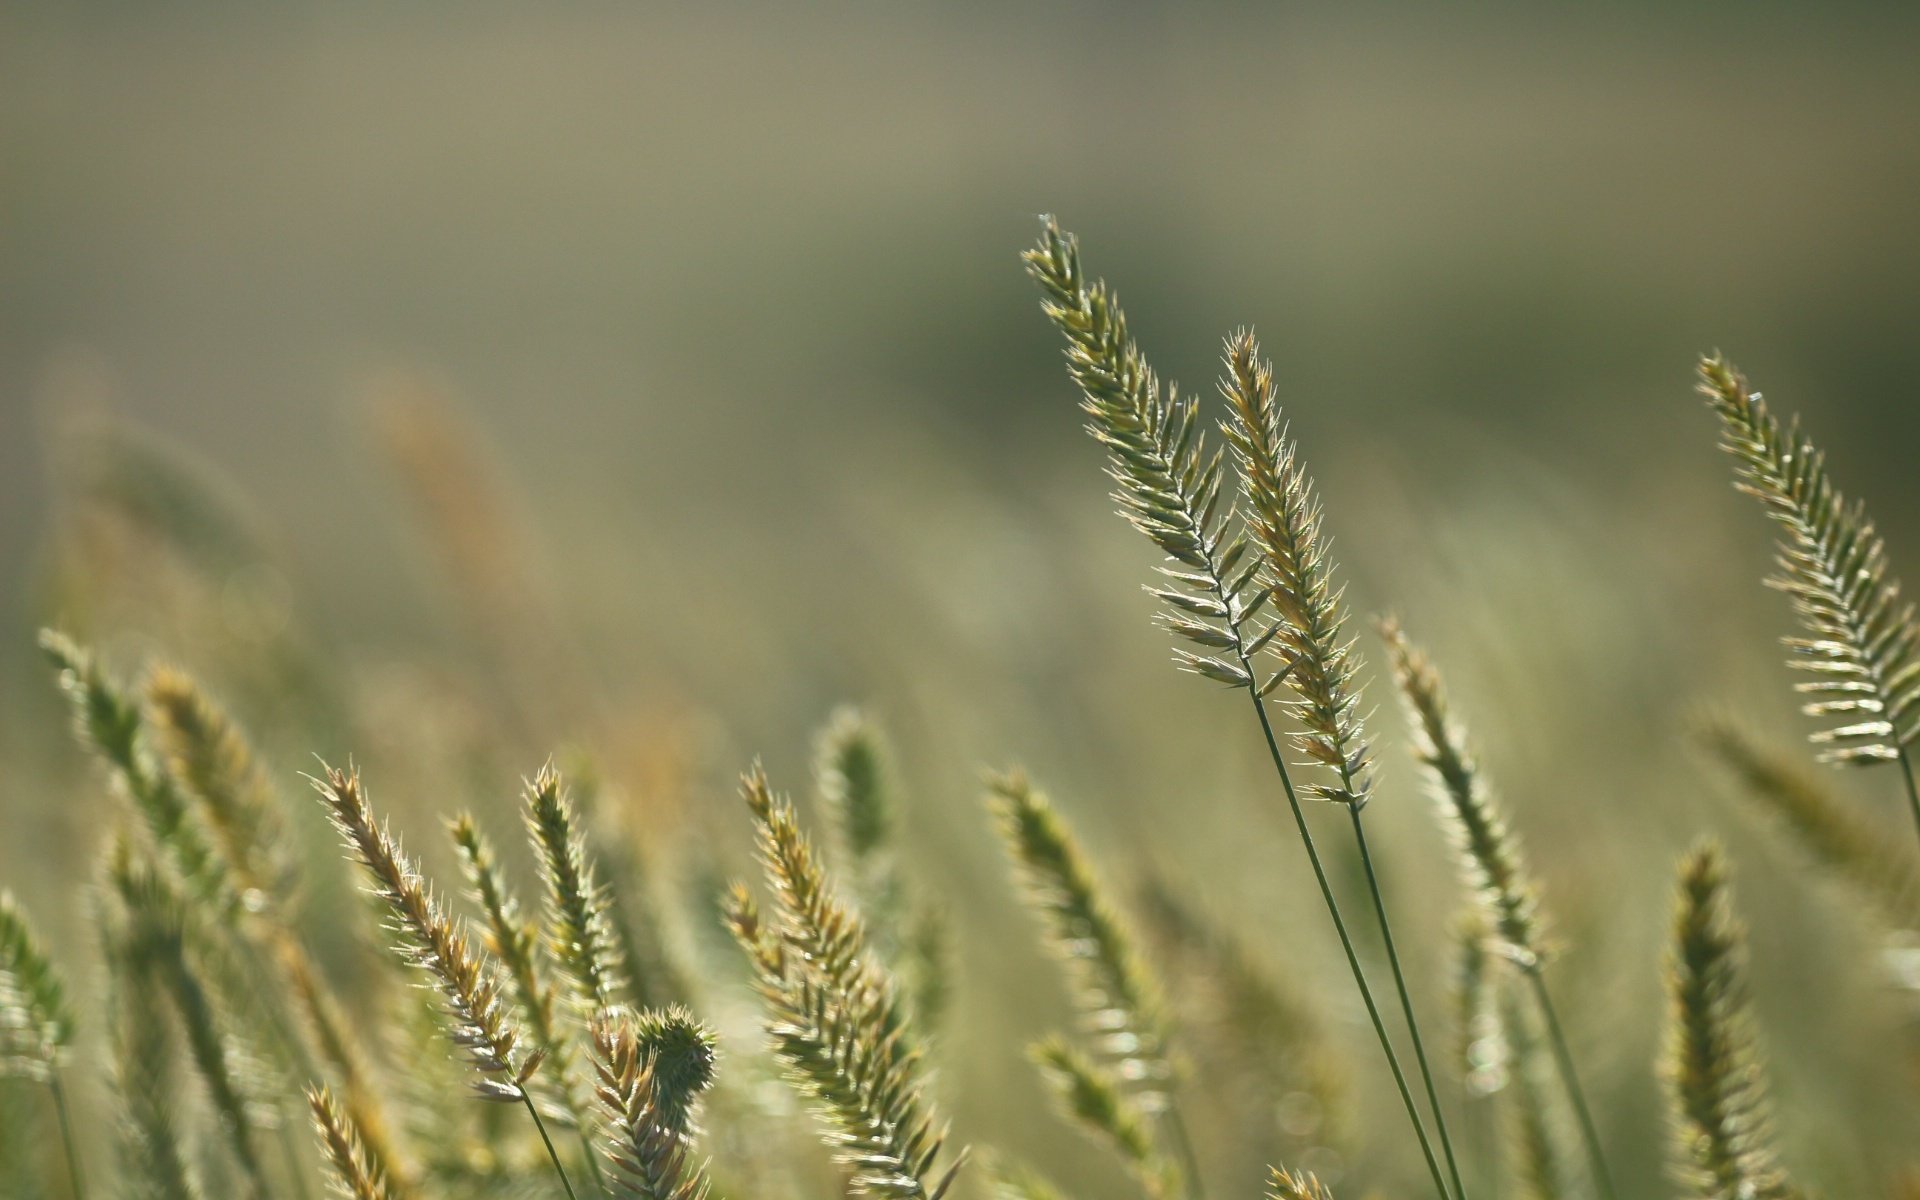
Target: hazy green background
pixel 728 298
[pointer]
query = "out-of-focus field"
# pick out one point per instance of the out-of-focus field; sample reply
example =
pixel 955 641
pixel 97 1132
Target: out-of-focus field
pixel 455 384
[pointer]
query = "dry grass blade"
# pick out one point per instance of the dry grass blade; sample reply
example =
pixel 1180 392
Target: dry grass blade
pixel 1722 1127
pixel 578 933
pixel 1284 520
pixel 1824 828
pixel 1861 643
pixel 649 1075
pixel 834 1016
pixel 357 1175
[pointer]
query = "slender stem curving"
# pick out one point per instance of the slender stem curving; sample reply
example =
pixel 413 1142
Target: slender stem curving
pixel 66 1133
pixel 1913 785
pixel 1563 1057
pixel 527 1099
pixel 1340 927
pixel 1406 1001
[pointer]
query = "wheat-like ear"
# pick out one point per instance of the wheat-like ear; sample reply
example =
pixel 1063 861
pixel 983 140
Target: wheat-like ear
pixel 1168 485
pixel 1118 1001
pixel 1825 829
pixel 1094 1097
pixel 36 1023
pixel 1485 847
pixel 357 1174
pixel 651 1068
pixel 1861 643
pixel 514 940
pixel 109 723
pixel 834 1015
pixel 1284 519
pixel 1284 1185
pixel 482 1021
pixel 210 757
pixel 578 933
pixel 1722 1126
pixel 853 776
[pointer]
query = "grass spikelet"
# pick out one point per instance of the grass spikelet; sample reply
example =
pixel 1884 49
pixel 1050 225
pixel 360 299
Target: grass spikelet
pixel 1023 1183
pixel 833 1014
pixel 854 779
pixel 1284 519
pixel 210 757
pixel 482 1022
pixel 1860 646
pixel 578 933
pixel 514 941
pixel 1487 850
pixel 1284 1185
pixel 1816 820
pixel 1168 485
pixel 1172 490
pixel 1095 1099
pixel 357 1174
pixel 36 1023
pixel 108 722
pixel 650 1069
pixel 1117 999
pixel 1722 1127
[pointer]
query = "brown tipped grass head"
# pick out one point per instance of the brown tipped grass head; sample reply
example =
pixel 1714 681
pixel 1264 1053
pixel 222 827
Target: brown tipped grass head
pixel 579 933
pixel 480 1018
pixel 357 1175
pixel 649 1073
pixel 1285 1185
pixel 1285 521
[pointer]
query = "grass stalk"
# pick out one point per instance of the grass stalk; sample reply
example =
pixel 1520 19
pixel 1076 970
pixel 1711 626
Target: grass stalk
pixel 1563 1060
pixel 1913 786
pixel 65 1117
pixel 553 1155
pixel 1406 1002
pixel 1346 939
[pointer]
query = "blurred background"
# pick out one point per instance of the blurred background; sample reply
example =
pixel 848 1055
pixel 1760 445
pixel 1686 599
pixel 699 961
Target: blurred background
pixel 449 385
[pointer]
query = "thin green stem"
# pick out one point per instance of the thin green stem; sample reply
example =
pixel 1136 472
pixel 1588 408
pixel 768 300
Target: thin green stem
pixel 66 1133
pixel 1340 927
pixel 1563 1057
pixel 1196 1187
pixel 1913 786
pixel 552 1154
pixel 1406 1001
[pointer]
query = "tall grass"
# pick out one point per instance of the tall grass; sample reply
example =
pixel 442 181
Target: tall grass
pixel 580 987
